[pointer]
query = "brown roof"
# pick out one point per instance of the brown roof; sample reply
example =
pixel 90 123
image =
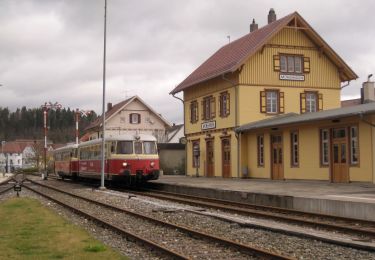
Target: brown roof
pixel 15 147
pixel 351 102
pixel 230 57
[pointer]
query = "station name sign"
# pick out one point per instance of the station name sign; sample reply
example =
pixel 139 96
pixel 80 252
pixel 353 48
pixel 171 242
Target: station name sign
pixel 292 77
pixel 209 125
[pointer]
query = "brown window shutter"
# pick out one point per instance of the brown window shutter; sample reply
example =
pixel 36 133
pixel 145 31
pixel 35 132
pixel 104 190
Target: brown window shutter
pixel 276 62
pixel 191 113
pixel 303 102
pixel 213 107
pixel 281 102
pixel 130 119
pixel 320 105
pixel 306 65
pixel 203 108
pixel 221 103
pixel 139 118
pixel 228 104
pixel 263 108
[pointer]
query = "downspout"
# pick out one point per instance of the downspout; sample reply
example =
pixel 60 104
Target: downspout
pixel 236 121
pixel 183 106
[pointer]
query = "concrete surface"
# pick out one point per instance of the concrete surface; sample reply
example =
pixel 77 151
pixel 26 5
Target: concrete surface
pixel 355 200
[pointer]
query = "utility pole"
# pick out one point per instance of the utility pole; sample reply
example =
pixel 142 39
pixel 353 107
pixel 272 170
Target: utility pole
pixel 103 105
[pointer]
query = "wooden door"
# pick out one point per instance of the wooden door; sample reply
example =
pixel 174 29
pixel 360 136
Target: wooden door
pixel 210 158
pixel 225 148
pixel 277 157
pixel 339 158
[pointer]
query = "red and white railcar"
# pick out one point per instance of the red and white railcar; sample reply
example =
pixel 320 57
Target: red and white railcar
pixel 66 161
pixel 128 158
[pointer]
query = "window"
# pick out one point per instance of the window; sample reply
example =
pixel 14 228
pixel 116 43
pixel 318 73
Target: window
pixel 354 145
pixel 294 149
pixel 324 147
pixel 135 118
pixel 289 63
pixel 208 108
pixel 124 147
pixel 149 147
pixel 224 104
pixel 194 112
pixel 272 101
pixel 138 147
pixel 311 101
pixel 196 159
pixel 260 150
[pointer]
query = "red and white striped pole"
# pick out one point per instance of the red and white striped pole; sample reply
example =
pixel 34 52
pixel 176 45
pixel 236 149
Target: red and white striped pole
pixel 77 120
pixel 45 140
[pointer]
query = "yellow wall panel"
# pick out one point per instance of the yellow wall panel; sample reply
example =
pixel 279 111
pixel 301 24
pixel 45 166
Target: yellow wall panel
pixel 259 68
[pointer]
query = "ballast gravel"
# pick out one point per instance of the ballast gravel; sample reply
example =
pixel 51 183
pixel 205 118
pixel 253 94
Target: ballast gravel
pixel 300 248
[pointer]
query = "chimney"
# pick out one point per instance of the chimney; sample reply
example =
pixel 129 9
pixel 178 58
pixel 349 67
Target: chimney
pixel 109 106
pixel 367 91
pixel 271 16
pixel 253 26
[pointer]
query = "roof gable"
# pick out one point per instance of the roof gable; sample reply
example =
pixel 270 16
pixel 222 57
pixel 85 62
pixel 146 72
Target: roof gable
pixel 119 107
pixel 232 56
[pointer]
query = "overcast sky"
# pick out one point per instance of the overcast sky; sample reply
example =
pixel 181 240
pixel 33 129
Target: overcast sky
pixel 52 50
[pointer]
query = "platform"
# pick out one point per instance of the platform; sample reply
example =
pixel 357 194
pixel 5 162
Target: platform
pixel 355 200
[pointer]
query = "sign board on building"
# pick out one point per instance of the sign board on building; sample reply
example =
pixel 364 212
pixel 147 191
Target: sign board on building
pixel 209 125
pixel 292 77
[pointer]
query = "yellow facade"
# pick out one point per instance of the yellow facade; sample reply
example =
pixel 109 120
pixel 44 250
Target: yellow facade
pixel 309 167
pixel 245 86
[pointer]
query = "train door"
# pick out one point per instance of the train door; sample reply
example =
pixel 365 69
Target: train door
pixel 210 158
pixel 339 158
pixel 277 157
pixel 225 151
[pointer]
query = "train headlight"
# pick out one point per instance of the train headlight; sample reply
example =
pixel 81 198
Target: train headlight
pixel 124 164
pixel 152 164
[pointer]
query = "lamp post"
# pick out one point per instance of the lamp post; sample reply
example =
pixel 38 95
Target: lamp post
pixel 103 105
pixel 46 107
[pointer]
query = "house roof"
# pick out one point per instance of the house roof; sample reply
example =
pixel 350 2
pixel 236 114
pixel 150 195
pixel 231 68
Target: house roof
pixel 293 118
pixel 16 146
pixel 173 130
pixel 118 107
pixel 232 56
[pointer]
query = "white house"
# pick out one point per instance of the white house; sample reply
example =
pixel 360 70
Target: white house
pixel 131 116
pixel 16 154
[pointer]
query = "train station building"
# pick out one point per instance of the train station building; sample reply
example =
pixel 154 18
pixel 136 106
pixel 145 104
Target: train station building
pixel 267 105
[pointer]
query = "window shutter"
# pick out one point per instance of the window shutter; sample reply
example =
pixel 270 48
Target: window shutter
pixel 203 109
pixel 139 118
pixel 320 105
pixel 306 64
pixel 281 102
pixel 228 104
pixel 221 108
pixel 303 102
pixel 213 107
pixel 276 62
pixel 263 107
pixel 191 113
pixel 130 119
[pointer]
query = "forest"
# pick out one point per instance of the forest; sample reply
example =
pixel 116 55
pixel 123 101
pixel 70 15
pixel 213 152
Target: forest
pixel 27 123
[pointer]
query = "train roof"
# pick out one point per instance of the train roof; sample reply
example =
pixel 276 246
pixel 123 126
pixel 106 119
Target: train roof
pixel 66 147
pixel 126 137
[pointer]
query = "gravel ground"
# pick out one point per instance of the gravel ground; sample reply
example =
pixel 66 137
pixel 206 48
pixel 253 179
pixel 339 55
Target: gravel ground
pixel 296 247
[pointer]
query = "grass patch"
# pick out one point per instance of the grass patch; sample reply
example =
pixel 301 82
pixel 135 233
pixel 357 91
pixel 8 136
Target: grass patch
pixel 30 231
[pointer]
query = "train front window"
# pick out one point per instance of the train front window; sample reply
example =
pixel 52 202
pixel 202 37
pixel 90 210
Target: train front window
pixel 138 147
pixel 149 147
pixel 124 147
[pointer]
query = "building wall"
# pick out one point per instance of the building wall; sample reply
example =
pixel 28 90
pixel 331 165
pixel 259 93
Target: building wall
pixel 258 70
pixel 309 152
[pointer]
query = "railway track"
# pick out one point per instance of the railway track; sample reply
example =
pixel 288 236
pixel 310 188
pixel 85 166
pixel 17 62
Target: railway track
pixel 333 223
pixel 208 238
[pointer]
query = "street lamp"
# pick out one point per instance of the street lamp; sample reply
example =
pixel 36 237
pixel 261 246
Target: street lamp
pixel 46 107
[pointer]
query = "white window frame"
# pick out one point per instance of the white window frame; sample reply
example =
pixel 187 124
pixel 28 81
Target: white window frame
pixel 324 160
pixel 260 150
pixel 354 147
pixel 272 102
pixel 311 102
pixel 294 148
